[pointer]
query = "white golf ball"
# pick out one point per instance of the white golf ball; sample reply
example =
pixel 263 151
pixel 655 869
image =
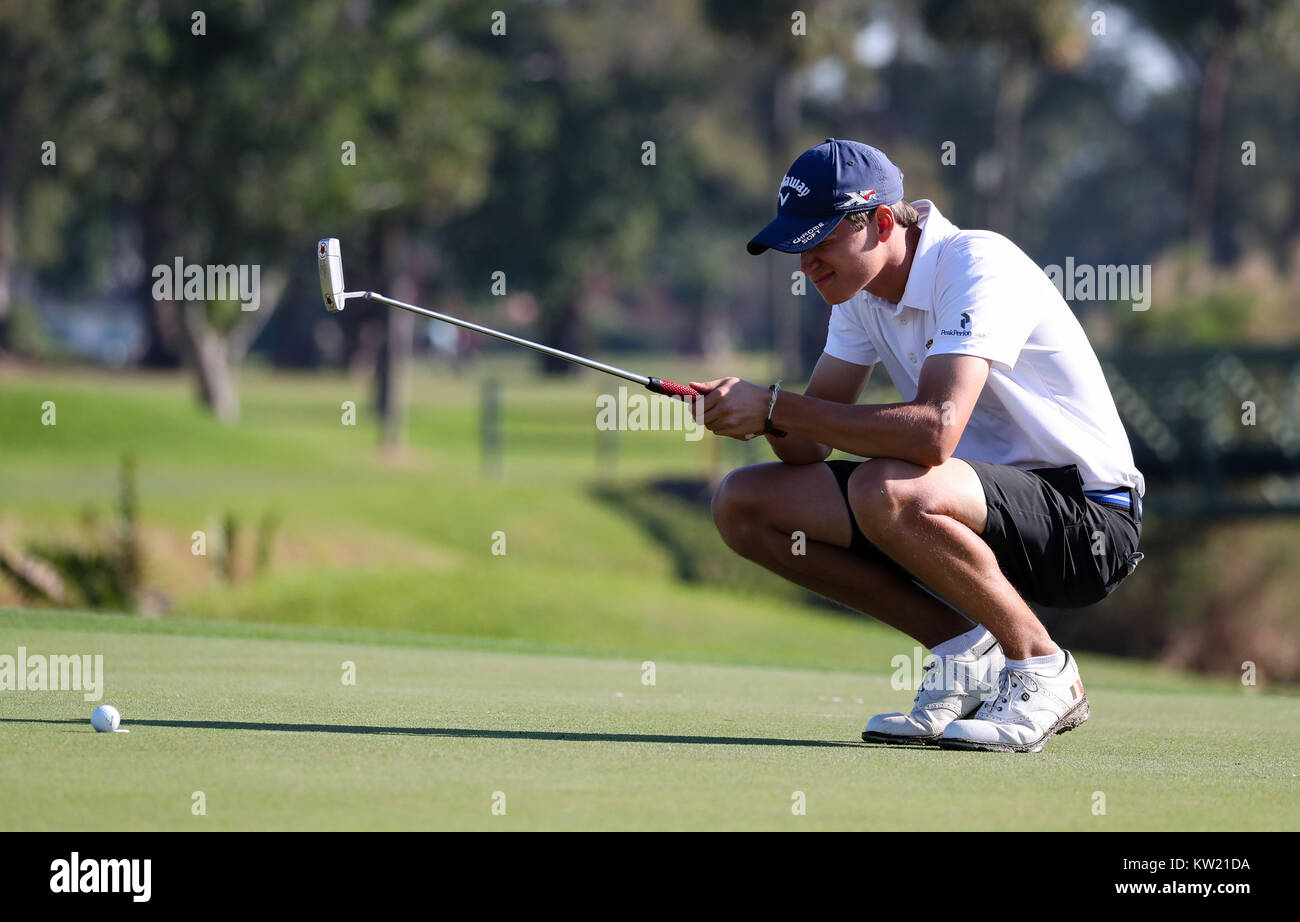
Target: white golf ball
pixel 105 719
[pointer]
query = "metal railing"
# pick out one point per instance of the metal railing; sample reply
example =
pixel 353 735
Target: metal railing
pixel 1215 431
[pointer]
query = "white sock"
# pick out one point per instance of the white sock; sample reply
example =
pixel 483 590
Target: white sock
pixel 963 643
pixel 1049 665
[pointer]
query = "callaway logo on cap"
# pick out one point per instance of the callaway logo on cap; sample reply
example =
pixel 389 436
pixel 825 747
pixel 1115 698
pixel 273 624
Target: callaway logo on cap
pixel 826 183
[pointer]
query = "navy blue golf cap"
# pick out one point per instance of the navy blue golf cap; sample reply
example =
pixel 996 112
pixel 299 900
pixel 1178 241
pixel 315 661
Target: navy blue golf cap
pixel 826 183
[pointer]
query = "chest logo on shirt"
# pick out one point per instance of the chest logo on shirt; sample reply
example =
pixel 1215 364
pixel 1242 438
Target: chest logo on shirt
pixel 929 343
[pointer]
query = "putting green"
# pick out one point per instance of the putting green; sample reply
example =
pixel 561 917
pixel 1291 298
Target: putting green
pixel 259 720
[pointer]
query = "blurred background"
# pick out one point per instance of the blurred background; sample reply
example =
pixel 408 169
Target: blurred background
pixel 586 175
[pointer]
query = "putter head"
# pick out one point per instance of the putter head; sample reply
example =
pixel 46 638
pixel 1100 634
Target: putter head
pixel 329 260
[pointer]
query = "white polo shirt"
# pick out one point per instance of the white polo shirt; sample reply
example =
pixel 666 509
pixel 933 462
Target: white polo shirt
pixel 974 292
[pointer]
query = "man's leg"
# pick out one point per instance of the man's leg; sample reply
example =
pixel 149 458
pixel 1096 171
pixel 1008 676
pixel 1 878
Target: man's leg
pixel 930 521
pixel 758 508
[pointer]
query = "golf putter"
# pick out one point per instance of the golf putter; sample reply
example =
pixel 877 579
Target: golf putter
pixel 329 260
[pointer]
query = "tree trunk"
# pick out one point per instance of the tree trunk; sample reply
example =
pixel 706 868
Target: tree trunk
pixel 6 241
pixel 1013 94
pixel 215 357
pixel 210 355
pixel 12 106
pixel 394 378
pixel 786 313
pixel 392 370
pixel 162 323
pixel 563 330
pixel 563 309
pixel 1209 135
pixel 1285 246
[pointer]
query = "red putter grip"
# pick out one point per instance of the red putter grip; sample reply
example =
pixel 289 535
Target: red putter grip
pixel 672 388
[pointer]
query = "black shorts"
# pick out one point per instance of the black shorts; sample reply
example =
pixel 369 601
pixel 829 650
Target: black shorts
pixel 1058 547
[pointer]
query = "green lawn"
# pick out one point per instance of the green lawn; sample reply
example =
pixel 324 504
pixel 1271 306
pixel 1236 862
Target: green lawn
pixel 519 672
pixel 399 544
pixel 258 719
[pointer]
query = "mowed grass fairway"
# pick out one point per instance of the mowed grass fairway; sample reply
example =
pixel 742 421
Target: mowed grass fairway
pixel 519 673
pixel 257 718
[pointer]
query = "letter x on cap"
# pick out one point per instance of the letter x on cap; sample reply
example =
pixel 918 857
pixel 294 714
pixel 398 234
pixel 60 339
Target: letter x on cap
pixel 826 183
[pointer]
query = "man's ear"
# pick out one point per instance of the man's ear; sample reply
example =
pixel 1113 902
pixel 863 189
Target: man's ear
pixel 885 223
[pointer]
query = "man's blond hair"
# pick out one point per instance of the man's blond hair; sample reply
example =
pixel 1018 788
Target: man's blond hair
pixel 904 215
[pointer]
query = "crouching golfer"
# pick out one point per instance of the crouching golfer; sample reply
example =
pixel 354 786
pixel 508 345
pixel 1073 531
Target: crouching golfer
pixel 1004 476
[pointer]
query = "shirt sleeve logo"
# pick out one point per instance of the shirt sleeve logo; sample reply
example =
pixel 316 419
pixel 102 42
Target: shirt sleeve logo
pixel 964 330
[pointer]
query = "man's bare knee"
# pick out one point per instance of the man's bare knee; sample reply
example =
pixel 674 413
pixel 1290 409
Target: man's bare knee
pixel 888 497
pixel 753 503
pixel 738 509
pixel 883 492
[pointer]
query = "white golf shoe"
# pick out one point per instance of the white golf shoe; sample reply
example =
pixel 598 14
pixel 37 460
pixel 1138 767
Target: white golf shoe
pixel 1028 709
pixel 953 687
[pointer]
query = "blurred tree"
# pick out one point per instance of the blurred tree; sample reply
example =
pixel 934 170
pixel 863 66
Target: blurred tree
pixel 778 46
pixel 38 90
pixel 1028 36
pixel 1207 34
pixel 241 135
pixel 1265 122
pixel 526 152
pixel 199 149
pixel 578 199
pixel 617 179
pixel 420 116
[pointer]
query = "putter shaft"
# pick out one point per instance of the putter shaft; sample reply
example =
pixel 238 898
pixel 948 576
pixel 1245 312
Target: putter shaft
pixel 330 268
pixel 643 380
